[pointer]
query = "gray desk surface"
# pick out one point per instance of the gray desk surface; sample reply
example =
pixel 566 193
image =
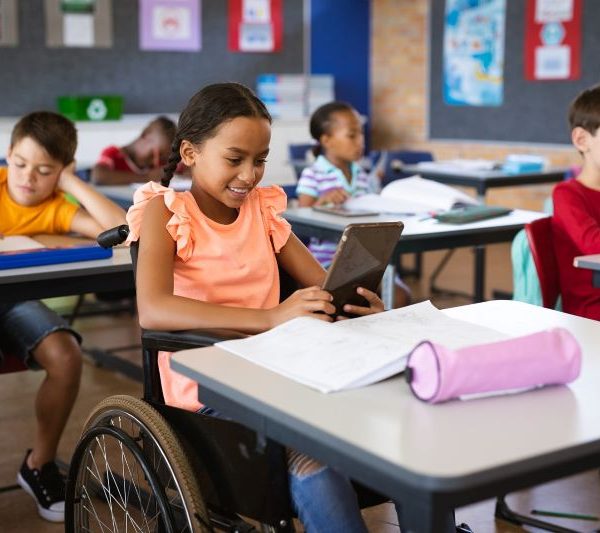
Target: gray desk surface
pixel 415 228
pixel 381 435
pixel 591 262
pixel 588 261
pixel 114 273
pixel 485 179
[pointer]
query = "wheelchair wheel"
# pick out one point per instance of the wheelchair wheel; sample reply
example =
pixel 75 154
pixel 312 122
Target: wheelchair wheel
pixel 129 472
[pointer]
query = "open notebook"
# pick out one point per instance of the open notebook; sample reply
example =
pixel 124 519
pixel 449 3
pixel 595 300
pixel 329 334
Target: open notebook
pixel 353 353
pixel 410 196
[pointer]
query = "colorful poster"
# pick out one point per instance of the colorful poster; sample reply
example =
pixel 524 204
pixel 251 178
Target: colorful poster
pixel 170 25
pixel 79 23
pixel 474 52
pixel 9 35
pixel 255 25
pixel 553 40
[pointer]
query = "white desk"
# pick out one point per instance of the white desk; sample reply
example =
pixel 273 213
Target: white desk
pixel 420 235
pixel 430 458
pixel 591 262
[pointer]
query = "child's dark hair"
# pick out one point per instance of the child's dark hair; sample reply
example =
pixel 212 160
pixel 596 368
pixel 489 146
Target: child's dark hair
pixel 206 111
pixel 53 132
pixel 584 111
pixel 321 120
pixel 164 125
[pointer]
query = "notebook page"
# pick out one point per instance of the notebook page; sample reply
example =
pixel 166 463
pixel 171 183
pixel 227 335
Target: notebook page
pixel 14 243
pixel 429 193
pixel 346 354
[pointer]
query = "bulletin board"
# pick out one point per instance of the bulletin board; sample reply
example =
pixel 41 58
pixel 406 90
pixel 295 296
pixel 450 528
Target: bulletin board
pixel 33 76
pixel 532 111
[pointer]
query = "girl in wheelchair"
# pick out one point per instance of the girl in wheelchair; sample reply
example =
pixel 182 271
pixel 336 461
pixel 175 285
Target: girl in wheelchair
pixel 209 258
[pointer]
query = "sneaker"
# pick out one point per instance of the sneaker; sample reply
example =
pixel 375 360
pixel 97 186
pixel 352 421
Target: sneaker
pixel 47 487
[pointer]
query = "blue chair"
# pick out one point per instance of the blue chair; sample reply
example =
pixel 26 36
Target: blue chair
pixel 84 174
pixel 290 191
pixel 299 155
pixel 395 161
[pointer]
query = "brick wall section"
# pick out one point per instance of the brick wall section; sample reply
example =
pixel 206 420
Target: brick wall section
pixel 399 105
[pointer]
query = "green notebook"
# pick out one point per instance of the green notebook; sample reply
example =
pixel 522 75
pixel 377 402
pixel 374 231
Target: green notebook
pixel 471 213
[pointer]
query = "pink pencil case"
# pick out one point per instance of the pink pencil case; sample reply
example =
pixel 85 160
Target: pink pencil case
pixel 437 374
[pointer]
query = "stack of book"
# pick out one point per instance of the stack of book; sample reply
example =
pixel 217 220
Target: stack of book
pixel 294 95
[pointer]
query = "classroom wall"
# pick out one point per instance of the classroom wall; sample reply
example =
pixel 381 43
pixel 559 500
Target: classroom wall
pixel 399 107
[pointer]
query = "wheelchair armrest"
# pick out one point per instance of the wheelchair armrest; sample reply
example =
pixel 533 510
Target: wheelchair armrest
pixel 173 341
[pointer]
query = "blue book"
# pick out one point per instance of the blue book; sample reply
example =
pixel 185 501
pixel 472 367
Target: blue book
pixel 51 256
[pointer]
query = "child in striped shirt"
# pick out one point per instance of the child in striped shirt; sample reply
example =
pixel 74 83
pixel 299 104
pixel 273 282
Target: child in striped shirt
pixel 335 175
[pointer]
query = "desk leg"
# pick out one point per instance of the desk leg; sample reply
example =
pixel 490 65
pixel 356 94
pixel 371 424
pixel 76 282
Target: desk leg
pixel 420 516
pixel 478 292
pixel 387 287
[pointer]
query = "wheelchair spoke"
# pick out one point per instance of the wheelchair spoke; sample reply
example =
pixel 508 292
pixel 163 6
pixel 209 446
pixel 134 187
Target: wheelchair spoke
pixel 112 491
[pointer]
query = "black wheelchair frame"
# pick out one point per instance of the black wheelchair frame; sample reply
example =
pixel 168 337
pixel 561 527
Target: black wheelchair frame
pixel 162 468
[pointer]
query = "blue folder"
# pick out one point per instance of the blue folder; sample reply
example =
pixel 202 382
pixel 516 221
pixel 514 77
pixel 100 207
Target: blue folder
pixel 51 256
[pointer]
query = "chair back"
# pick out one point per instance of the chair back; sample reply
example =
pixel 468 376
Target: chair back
pixel 396 159
pixel 299 155
pixel 541 243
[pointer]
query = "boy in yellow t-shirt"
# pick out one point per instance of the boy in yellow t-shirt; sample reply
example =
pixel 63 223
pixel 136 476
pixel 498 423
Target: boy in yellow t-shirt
pixel 32 201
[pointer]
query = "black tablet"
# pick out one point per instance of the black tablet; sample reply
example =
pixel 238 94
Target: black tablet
pixel 360 260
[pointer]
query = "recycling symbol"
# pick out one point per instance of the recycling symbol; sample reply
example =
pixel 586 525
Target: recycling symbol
pixel 97 109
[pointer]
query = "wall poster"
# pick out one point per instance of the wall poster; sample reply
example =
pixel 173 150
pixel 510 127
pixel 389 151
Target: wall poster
pixel 79 23
pixel 255 25
pixel 474 52
pixel 170 25
pixel 553 40
pixel 9 27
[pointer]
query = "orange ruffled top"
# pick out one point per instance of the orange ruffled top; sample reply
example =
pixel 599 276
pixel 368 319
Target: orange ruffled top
pixel 232 264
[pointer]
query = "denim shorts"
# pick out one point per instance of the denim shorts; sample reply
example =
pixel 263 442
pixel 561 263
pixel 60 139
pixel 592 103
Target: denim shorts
pixel 24 325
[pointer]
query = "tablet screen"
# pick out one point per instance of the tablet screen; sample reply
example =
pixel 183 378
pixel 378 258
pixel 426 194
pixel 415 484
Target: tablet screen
pixel 360 260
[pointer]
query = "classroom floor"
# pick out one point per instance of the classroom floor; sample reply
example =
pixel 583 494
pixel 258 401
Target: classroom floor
pixel 577 494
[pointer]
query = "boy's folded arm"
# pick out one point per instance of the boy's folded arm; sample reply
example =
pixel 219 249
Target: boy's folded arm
pixel 98 213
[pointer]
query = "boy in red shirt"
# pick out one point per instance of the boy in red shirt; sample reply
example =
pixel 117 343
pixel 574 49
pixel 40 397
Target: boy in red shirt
pixel 576 220
pixel 140 160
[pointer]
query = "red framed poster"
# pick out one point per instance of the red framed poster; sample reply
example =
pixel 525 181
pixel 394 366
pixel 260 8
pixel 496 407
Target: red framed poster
pixel 553 40
pixel 255 25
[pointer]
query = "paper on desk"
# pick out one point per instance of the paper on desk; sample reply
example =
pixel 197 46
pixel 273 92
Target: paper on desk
pixel 13 243
pixel 411 195
pixel 457 165
pixel 353 353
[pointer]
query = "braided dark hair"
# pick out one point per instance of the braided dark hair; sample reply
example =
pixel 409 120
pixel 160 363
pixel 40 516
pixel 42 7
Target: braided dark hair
pixel 206 111
pixel 320 121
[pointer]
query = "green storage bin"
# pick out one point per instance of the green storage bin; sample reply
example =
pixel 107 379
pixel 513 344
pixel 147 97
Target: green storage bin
pixel 100 107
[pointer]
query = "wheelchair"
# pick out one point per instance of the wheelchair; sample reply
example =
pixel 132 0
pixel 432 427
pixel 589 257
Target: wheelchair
pixel 143 466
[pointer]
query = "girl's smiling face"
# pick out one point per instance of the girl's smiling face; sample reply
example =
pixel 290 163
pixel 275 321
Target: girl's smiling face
pixel 227 166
